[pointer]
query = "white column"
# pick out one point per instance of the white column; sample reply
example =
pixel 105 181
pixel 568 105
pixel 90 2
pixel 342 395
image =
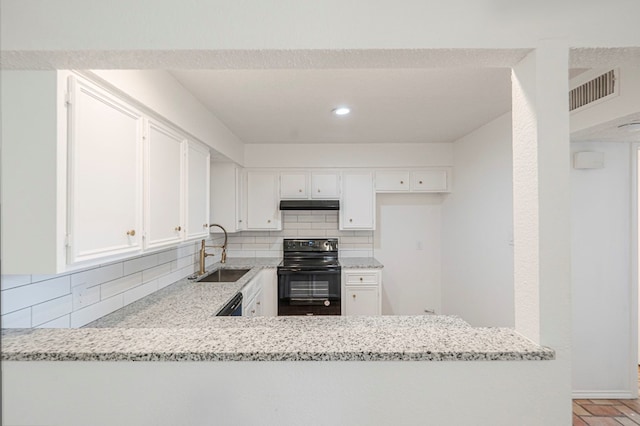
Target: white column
pixel 541 166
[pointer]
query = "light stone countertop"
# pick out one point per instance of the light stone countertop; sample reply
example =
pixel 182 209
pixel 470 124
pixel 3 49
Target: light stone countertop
pixel 178 323
pixel 360 263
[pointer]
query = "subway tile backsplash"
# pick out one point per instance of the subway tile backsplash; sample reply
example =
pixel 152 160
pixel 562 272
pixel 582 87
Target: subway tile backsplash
pixel 73 299
pixel 301 224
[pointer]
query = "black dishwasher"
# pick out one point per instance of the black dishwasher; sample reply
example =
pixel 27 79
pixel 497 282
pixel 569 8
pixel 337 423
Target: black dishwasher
pixel 233 308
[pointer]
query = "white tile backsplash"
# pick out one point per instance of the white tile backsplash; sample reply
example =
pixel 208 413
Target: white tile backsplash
pixel 97 310
pixel 73 299
pixel 17 319
pixel 120 285
pixel 11 281
pixel 62 322
pixel 32 294
pixel 96 276
pixel 136 265
pixel 43 300
pixel 51 310
pixel 303 224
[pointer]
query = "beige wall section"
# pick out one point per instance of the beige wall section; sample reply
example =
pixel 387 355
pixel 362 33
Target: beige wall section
pixel 330 24
pixel 349 155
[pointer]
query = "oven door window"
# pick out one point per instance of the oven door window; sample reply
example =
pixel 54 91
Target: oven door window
pixel 309 288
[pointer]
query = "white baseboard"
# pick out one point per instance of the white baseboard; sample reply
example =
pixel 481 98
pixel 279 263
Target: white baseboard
pixel 602 395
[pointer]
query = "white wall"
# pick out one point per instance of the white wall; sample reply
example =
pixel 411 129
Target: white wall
pixel 329 393
pixel 477 229
pixel 348 155
pixel 159 91
pixel 601 284
pixel 407 242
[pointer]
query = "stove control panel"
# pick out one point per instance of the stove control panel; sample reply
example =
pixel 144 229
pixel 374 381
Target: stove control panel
pixel 316 244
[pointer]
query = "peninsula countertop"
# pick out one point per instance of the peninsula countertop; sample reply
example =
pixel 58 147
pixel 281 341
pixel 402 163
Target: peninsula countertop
pixel 178 323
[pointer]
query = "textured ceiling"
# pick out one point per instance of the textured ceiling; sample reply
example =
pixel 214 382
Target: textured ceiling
pixel 388 105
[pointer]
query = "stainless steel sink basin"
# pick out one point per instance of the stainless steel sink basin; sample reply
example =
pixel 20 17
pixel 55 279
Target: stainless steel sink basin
pixel 224 276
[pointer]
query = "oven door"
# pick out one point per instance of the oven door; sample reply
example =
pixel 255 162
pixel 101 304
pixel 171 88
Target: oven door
pixel 304 292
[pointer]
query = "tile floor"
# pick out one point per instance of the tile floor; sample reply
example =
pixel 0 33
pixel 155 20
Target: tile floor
pixel 607 412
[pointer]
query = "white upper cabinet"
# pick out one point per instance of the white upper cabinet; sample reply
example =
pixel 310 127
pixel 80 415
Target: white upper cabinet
pixel 294 185
pixel 392 181
pixel 419 180
pixel 263 212
pixel 227 201
pixel 430 180
pixel 358 201
pixel 164 186
pixel 105 174
pixel 197 214
pixel 325 185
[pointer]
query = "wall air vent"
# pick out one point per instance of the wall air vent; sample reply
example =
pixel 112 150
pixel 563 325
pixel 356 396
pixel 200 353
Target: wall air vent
pixel 596 89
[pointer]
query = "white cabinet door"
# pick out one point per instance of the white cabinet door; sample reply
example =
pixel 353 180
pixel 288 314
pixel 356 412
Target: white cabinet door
pixel 325 185
pixel 429 181
pixel 197 173
pixel 164 184
pixel 226 196
pixel 105 174
pixel 294 185
pixel 262 200
pixel 364 300
pixel 392 181
pixel 358 201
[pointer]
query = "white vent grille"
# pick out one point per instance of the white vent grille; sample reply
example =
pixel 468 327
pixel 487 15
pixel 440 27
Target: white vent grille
pixel 593 90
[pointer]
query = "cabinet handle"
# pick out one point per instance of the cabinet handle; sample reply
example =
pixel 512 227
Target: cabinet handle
pixel 206 225
pixel 131 233
pixel 401 182
pixel 258 303
pixel 299 190
pixel 420 182
pixel 178 228
pixel 318 189
pixel 354 296
pixel 269 221
pixel 240 221
pixel 350 220
pixel 253 311
pixel 360 278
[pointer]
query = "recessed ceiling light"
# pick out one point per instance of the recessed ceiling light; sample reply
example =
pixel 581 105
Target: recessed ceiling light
pixel 341 111
pixel 630 127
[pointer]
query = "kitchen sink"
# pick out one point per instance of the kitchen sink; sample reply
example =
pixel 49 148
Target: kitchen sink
pixel 224 276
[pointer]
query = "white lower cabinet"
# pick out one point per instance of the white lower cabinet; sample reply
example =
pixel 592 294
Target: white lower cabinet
pixel 362 292
pixel 259 296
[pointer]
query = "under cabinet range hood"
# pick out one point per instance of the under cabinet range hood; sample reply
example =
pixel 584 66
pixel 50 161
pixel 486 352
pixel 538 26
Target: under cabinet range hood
pixel 310 205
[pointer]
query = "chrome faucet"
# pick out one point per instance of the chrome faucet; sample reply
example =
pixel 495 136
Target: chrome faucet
pixel 204 254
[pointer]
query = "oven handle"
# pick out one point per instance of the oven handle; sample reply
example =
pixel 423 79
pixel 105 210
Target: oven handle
pixel 314 271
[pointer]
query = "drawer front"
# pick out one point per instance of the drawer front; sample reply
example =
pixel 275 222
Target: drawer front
pixel 365 278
